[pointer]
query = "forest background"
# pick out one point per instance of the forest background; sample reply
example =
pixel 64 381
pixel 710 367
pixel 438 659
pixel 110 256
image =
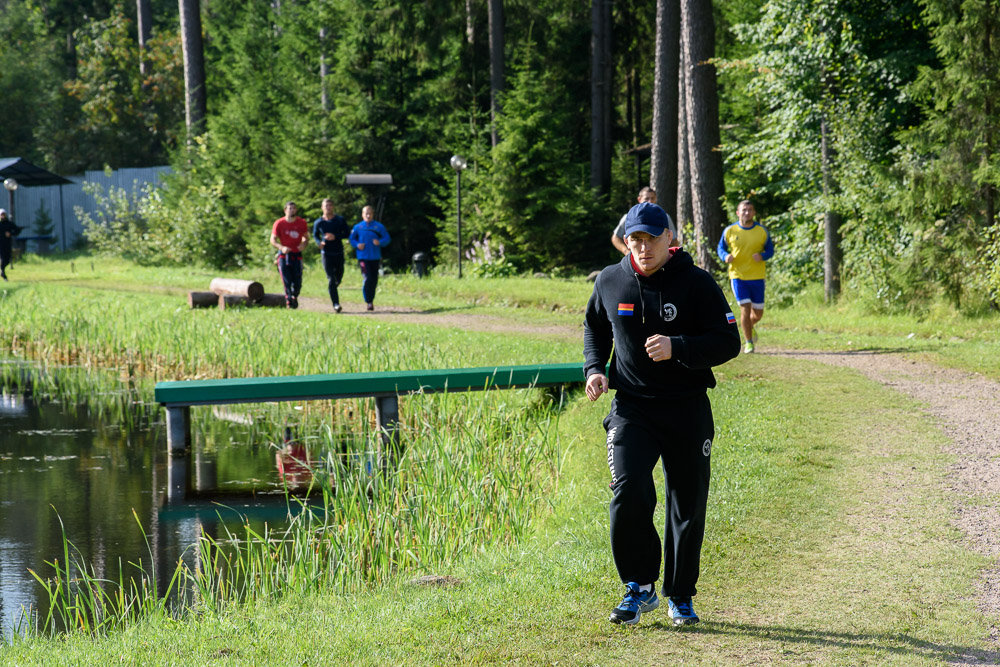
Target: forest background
pixel 865 132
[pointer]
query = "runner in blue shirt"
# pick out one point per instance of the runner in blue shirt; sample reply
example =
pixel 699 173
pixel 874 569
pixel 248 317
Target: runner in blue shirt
pixel 368 238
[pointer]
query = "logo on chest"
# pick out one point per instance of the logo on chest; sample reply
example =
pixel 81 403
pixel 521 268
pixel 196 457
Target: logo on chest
pixel 669 312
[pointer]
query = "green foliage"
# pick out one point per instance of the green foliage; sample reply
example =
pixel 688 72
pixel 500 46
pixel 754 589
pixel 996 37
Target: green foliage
pixel 42 225
pixel 497 268
pixel 200 214
pixel 121 225
pixel 534 198
pixel 990 263
pixel 943 187
pixel 180 222
pixel 847 63
pixel 118 105
pixel 26 78
pixel 488 259
pixel 269 139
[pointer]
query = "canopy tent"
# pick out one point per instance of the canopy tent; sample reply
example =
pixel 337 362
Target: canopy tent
pixel 28 175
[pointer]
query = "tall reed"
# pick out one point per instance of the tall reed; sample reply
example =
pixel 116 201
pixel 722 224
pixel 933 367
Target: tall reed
pixel 81 601
pixel 470 472
pixel 470 477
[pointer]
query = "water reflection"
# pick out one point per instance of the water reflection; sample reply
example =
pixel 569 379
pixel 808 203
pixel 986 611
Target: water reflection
pixel 94 472
pixel 12 405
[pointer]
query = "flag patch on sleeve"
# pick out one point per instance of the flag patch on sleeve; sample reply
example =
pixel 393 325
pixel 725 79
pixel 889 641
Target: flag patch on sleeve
pixel 626 308
pixel 730 318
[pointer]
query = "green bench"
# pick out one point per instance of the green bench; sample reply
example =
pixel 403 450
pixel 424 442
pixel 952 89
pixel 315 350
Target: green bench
pixel 385 388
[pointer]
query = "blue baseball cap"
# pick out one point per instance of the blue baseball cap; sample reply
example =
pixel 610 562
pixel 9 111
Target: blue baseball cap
pixel 650 218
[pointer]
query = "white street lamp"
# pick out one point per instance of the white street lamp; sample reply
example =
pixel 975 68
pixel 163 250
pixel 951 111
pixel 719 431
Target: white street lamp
pixel 458 163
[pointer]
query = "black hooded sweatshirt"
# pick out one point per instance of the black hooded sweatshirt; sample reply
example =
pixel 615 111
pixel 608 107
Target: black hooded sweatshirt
pixel 681 301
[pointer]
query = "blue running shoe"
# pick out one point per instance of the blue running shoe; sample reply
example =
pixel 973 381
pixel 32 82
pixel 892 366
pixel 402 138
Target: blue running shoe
pixel 682 611
pixel 634 604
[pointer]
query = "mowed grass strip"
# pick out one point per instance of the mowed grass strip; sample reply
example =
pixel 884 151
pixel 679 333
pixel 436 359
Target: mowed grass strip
pixel 829 542
pixel 158 337
pixel 938 333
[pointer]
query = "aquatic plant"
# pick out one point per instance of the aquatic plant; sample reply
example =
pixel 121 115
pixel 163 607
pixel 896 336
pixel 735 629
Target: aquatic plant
pixel 81 601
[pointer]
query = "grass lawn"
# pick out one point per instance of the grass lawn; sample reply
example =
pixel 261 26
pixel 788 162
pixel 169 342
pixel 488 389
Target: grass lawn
pixel 830 536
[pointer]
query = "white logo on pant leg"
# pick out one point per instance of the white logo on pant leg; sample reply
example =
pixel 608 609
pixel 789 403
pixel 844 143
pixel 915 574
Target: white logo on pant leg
pixel 611 454
pixel 706 448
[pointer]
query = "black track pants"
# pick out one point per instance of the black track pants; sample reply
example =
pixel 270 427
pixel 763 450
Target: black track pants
pixel 680 433
pixel 369 269
pixel 290 270
pixel 334 267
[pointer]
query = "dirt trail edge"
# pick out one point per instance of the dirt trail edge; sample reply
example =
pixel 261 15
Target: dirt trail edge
pixel 965 405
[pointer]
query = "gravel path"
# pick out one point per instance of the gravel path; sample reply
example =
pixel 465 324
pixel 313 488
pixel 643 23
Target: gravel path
pixel 967 408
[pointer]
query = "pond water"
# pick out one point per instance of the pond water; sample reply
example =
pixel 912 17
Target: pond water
pixel 66 466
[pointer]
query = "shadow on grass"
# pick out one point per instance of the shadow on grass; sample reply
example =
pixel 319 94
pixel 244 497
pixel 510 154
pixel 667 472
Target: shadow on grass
pixel 445 309
pixel 860 352
pixel 899 644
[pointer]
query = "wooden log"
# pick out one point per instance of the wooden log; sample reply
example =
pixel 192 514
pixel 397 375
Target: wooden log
pixel 272 301
pixel 230 300
pixel 203 299
pixel 232 287
pixel 266 300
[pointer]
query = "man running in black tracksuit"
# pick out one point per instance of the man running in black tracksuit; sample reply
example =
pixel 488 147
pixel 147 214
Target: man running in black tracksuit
pixel 330 230
pixel 669 324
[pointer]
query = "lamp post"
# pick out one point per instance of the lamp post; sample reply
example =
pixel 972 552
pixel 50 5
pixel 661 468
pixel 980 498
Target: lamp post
pixel 458 163
pixel 11 185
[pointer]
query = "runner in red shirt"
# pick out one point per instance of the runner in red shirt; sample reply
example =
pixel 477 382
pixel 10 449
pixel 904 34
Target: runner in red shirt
pixel 290 235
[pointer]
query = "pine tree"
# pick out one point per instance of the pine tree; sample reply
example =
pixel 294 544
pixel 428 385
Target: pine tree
pixel 954 155
pixel 534 197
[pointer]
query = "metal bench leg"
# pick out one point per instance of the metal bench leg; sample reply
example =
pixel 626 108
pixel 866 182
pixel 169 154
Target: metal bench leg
pixel 387 412
pixel 178 428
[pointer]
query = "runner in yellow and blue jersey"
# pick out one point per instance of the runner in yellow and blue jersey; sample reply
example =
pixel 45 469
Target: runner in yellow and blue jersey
pixel 745 246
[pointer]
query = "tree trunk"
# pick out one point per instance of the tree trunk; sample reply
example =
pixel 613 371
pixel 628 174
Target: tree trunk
pixel 470 23
pixel 685 216
pixel 497 79
pixel 324 71
pixel 600 96
pixel 663 164
pixel 195 104
pixel 144 27
pixel 609 69
pixel 990 190
pixel 831 219
pixel 71 58
pixel 707 189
